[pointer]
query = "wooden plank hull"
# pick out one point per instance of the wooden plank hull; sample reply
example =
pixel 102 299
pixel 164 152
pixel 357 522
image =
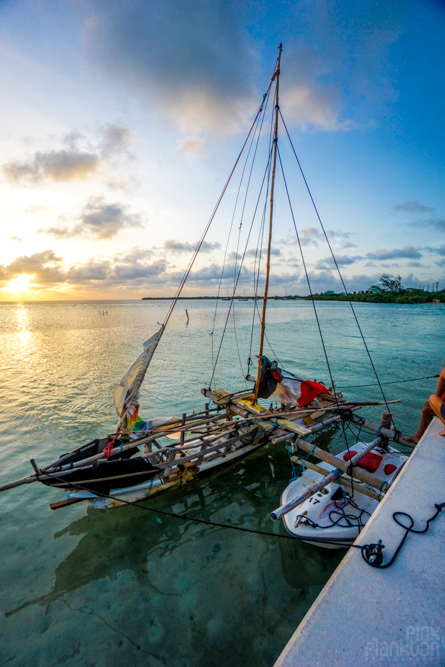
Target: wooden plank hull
pixel 178 478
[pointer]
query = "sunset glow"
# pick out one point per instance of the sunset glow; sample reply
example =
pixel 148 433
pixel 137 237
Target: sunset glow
pixel 19 285
pixel 123 122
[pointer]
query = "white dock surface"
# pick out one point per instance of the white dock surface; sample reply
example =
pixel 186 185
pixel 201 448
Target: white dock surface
pixel 395 616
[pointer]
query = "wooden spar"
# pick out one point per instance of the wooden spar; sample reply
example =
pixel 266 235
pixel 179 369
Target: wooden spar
pixel 344 481
pixel 281 437
pixel 163 431
pixel 269 243
pixel 234 403
pixel 387 433
pixel 164 468
pixel 160 432
pixel 19 482
pixel 182 438
pixel 358 473
pixel 284 509
pixel 330 477
pixel 81 464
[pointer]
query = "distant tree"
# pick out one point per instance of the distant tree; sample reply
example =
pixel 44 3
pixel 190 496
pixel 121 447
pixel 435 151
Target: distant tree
pixel 387 284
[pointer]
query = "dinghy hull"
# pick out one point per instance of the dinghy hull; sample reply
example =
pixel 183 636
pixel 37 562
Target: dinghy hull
pixel 333 517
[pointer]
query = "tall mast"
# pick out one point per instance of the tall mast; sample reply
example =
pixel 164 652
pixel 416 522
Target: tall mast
pixel 269 244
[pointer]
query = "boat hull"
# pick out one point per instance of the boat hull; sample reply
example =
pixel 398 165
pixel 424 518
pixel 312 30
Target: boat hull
pixel 118 496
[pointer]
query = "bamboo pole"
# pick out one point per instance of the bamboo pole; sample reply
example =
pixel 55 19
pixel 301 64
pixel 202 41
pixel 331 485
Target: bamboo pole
pixel 160 432
pixel 284 509
pixel 332 476
pixel 358 473
pixel 387 433
pixel 344 481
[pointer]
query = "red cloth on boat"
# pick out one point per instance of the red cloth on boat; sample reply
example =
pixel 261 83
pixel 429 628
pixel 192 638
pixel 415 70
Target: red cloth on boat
pixel 369 461
pixel 309 391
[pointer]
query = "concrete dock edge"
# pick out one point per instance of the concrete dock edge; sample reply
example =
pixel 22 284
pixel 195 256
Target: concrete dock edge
pixel 394 616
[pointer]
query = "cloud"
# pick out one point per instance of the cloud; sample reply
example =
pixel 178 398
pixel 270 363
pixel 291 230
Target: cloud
pixel 16 238
pixel 178 247
pixel 36 208
pixel 313 236
pixel 327 264
pixel 412 206
pixel 407 252
pixel 439 250
pixel 253 252
pixel 44 265
pixel 71 163
pixel 61 165
pixel 203 64
pixel 51 272
pixel 186 60
pixel 98 220
pixel 342 239
pixel 192 145
pixel 433 221
pixel 115 140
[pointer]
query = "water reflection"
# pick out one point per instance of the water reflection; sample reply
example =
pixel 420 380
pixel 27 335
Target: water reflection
pixel 23 332
pixel 129 539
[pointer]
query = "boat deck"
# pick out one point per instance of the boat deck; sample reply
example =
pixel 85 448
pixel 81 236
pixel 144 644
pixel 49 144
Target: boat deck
pixel 393 616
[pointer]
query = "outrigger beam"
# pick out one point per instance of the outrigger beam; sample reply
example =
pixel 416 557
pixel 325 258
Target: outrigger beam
pixel 330 477
pixel 344 481
pixel 387 433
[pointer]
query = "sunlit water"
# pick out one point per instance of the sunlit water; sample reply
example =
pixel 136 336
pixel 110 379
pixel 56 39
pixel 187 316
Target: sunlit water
pixel 126 586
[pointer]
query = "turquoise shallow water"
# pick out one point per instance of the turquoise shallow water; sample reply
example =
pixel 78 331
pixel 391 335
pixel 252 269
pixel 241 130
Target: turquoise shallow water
pixel 82 586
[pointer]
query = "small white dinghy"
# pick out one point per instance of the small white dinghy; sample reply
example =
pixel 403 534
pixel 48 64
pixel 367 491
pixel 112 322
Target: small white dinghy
pixel 335 513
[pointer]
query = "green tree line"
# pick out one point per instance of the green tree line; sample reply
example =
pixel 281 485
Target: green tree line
pixel 389 289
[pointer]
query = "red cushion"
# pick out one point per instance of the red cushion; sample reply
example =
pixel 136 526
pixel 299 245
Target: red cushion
pixel 389 468
pixel 369 461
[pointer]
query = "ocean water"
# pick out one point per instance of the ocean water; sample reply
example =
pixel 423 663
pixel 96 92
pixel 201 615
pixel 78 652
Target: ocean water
pixel 126 586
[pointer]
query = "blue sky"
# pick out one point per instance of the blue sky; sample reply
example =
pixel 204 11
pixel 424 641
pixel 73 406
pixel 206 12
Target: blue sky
pixel 121 121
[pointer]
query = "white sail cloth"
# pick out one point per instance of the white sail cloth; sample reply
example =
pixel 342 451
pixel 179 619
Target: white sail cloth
pixel 126 392
pixel 288 390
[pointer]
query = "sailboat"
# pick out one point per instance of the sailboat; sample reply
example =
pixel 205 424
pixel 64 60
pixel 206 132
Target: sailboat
pixel 146 457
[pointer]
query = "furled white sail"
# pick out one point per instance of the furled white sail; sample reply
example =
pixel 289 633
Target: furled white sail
pixel 126 393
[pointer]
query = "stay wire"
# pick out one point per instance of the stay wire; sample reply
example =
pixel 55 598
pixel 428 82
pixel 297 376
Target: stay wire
pixel 239 272
pixel 258 254
pixel 258 127
pixel 375 384
pixel 212 216
pixel 266 98
pixel 307 278
pixel 336 265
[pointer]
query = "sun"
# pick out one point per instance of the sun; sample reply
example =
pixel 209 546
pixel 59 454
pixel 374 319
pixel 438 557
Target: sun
pixel 20 284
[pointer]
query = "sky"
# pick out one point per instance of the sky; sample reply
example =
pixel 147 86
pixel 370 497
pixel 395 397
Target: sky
pixel 121 121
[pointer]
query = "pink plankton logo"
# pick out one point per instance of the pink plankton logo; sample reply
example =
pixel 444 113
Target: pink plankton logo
pixel 421 642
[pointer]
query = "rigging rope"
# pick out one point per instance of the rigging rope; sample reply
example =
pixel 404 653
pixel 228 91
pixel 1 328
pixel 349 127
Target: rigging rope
pixel 259 128
pixel 240 269
pixel 375 384
pixel 336 264
pixel 212 216
pixel 308 281
pixel 371 552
